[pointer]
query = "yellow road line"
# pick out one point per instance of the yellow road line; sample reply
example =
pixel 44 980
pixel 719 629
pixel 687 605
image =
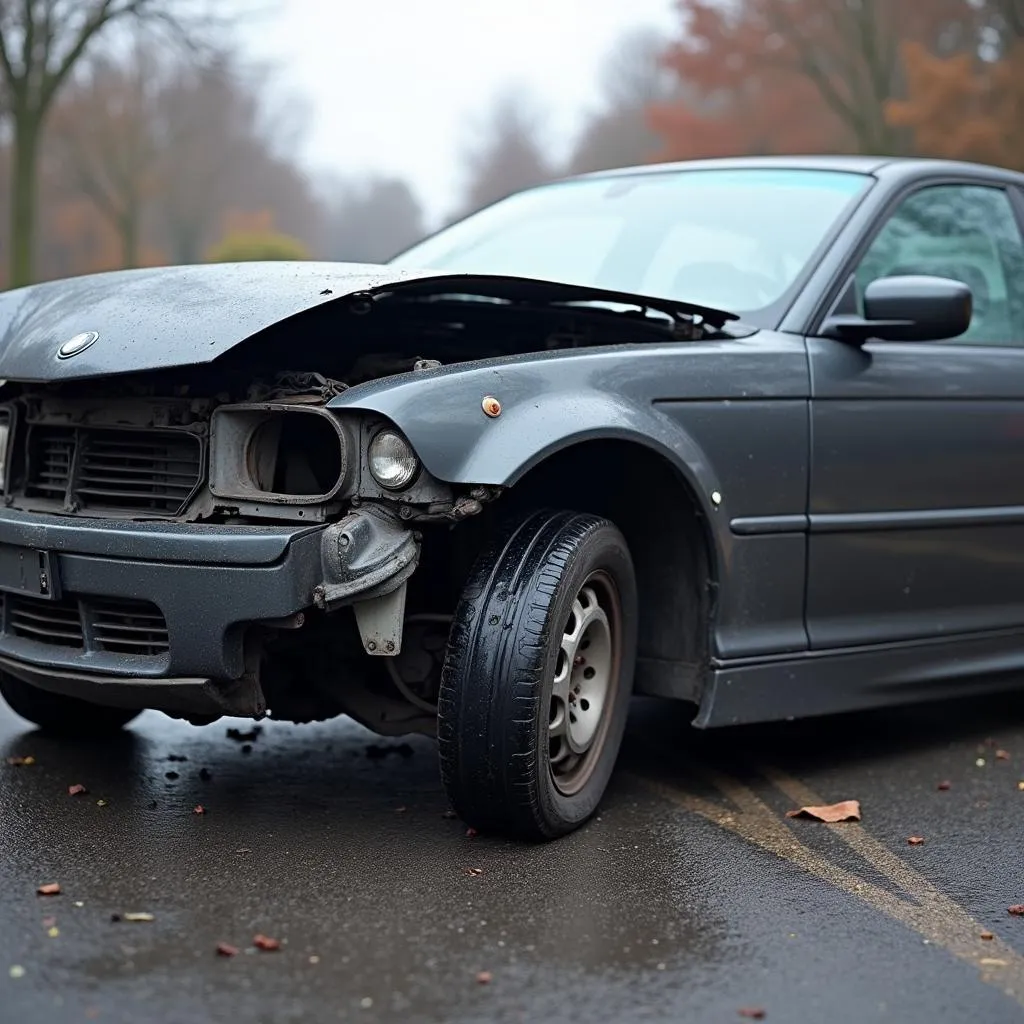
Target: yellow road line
pixel 930 913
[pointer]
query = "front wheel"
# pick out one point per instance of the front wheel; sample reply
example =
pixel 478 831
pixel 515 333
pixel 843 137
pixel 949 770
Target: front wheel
pixel 60 715
pixel 538 676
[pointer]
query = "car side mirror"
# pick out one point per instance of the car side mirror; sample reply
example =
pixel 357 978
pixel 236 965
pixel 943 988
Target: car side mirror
pixel 910 308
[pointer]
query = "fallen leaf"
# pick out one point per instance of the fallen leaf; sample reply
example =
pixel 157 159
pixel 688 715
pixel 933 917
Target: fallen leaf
pixel 21 762
pixel 266 943
pixel 138 918
pixel 49 889
pixel 471 832
pixel 199 809
pixel 17 971
pixel 77 789
pixel 49 922
pixel 224 949
pixel 944 785
pixel 980 762
pixel 101 803
pixel 845 810
pixel 1020 785
pixel 53 932
pixel 401 810
pixel 484 977
pixel 1002 755
pixel 475 872
pixel 988 961
pixel 1017 909
pixel 752 1012
pixel 916 840
pixel 987 936
pixel 314 959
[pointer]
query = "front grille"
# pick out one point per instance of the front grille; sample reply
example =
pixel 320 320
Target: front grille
pixel 47 622
pixel 111 625
pixel 50 450
pixel 155 471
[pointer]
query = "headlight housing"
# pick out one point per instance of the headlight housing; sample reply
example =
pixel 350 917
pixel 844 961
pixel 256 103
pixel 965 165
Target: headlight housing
pixel 393 463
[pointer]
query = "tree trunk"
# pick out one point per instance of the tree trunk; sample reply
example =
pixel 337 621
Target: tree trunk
pixel 130 237
pixel 23 197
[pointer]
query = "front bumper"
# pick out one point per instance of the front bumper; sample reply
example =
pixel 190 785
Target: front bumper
pixel 209 584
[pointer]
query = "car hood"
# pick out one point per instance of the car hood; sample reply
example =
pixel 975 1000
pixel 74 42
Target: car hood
pixel 165 317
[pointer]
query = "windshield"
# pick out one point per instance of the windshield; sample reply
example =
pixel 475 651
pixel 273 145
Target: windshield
pixel 732 239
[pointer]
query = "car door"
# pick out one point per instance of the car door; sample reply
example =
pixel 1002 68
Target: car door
pixel 916 496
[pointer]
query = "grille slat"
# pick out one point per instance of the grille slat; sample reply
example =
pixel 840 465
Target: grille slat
pixel 129 627
pixel 58 623
pixel 155 471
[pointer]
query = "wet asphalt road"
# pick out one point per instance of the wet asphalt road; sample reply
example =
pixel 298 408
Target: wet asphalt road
pixel 691 897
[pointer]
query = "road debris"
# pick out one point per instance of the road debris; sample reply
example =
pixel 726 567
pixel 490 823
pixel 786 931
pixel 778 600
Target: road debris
pixel 140 917
pixel 1002 755
pixel 199 809
pixel 1017 910
pixel 245 737
pixel 16 971
pixel 449 815
pixel 471 833
pixel 376 751
pixel 752 1012
pixel 101 803
pixel 986 936
pixel 226 949
pixel 205 774
pixel 176 757
pixel 53 932
pixel 845 810
pixel 49 889
pixel 484 977
pixel 475 872
pixel 77 789
pixel 171 775
pixel 944 785
pixel 980 762
pixel 915 840
pixel 265 942
pixel 21 762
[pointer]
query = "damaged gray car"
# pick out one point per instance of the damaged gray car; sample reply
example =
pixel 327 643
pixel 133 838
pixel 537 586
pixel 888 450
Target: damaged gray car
pixel 733 433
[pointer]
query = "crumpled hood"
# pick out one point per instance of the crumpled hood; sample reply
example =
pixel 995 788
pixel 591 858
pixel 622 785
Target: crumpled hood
pixel 164 317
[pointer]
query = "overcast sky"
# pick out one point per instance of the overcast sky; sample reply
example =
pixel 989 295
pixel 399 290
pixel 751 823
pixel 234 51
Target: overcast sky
pixel 398 85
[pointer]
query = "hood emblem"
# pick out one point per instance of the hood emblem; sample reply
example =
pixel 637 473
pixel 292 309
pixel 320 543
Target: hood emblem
pixel 79 343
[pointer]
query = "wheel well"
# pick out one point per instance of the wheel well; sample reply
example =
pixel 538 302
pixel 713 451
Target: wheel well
pixel 646 497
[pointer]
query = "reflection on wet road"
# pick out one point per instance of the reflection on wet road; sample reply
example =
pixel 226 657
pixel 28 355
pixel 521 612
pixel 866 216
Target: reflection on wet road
pixel 690 897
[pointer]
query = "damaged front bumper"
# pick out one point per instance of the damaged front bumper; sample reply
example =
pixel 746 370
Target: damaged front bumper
pixel 159 615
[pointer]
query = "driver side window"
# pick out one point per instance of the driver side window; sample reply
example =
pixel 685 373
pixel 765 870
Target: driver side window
pixel 965 232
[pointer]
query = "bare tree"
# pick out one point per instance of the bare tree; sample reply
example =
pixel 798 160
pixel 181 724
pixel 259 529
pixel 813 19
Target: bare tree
pixel 509 156
pixel 372 221
pixel 41 42
pixel 102 135
pixel 633 79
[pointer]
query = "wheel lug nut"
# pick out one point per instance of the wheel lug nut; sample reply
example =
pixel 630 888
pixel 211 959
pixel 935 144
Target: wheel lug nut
pixel 579 660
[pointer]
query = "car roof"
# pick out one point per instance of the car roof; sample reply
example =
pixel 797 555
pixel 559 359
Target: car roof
pixel 879 166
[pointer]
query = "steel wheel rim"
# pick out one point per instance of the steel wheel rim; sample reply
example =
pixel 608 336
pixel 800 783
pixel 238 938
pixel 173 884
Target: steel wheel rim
pixel 585 682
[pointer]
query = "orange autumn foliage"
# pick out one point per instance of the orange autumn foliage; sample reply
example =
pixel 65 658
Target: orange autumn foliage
pixel 778 76
pixel 963 109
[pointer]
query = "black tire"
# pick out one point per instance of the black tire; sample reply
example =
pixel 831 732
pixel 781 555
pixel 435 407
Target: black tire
pixel 62 716
pixel 506 642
